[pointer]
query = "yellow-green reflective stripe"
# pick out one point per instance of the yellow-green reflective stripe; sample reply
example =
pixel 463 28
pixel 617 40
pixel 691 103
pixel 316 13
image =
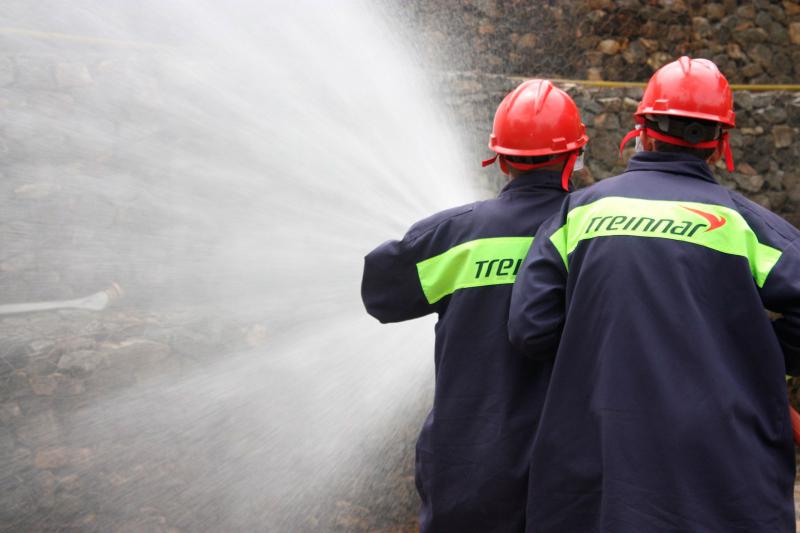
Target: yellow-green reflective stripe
pixel 477 263
pixel 721 229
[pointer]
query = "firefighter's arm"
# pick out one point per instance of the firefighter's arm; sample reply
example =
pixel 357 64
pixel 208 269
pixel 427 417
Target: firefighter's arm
pixel 781 293
pixel 390 286
pixel 536 315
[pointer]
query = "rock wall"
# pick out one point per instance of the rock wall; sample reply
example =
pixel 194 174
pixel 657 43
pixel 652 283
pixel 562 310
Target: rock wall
pixel 765 142
pixel 73 117
pixel 64 160
pixel 752 41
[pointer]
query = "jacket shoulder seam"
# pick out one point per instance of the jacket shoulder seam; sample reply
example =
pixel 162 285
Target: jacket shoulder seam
pixel 427 229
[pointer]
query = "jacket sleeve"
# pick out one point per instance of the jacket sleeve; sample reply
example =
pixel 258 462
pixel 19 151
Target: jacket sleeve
pixel 781 294
pixel 390 286
pixel 536 315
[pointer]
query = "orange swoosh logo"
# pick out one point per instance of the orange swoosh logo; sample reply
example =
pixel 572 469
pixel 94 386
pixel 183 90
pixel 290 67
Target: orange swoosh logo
pixel 714 221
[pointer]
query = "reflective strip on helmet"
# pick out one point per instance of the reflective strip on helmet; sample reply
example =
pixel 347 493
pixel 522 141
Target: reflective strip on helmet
pixel 492 261
pixel 712 226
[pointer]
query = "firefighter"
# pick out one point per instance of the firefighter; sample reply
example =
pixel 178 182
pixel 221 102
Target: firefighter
pixel 667 407
pixel 472 452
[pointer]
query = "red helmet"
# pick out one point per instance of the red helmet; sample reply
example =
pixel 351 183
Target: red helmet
pixel 690 88
pixel 537 119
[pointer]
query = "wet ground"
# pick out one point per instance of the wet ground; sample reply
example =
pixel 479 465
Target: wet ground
pixel 90 440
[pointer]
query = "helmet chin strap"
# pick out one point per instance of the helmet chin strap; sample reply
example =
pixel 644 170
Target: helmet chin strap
pixel 565 174
pixel 722 141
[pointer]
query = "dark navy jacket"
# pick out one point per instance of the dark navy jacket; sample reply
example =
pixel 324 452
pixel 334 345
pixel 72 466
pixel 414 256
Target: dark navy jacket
pixel 667 408
pixel 472 453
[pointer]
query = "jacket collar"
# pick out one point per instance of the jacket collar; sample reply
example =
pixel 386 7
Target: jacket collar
pixel 535 181
pixel 682 164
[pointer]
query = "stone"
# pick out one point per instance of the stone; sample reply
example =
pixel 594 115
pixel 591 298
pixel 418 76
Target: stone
pixel 763 200
pixel 596 16
pixel 761 54
pixel 44 385
pixel 677 33
pixel 486 28
pixel 9 411
pixel 55 384
pixel 748 182
pixel 594 74
pixel 16 385
pixel 527 41
pixel 634 53
pixel 743 100
pixel 60 456
pixel 774 114
pixel 76 343
pixel 594 58
pixel 40 346
pixel 701 27
pixel 791 7
pixel 778 34
pixel 751 70
pixel 758 130
pixel 746 11
pixel 600 120
pixel 50 458
pixel 777 199
pixel 611 104
pixel 794 32
pixel 629 104
pixel 80 360
pixel 609 47
pixel 777 13
pixel 794 195
pixel 763 19
pixel 39 429
pixel 650 45
pixel 677 6
pixel 780 66
pixel 774 180
pixel 750 36
pixel 487 7
pixel 715 11
pixel 658 60
pixel 73 75
pixel 746 169
pixel 782 135
pixel 136 352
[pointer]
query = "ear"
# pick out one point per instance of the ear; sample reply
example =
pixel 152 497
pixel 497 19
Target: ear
pixel 716 155
pixel 503 165
pixel 648 144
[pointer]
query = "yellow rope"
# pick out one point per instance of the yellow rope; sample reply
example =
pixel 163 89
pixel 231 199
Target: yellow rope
pixel 639 84
pixel 54 36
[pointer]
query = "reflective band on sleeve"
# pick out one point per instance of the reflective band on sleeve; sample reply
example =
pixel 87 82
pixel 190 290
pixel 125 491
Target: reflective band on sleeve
pixel 712 226
pixel 477 263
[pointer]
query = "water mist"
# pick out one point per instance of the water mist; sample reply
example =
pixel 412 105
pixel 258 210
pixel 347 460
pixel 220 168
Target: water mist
pixel 265 148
